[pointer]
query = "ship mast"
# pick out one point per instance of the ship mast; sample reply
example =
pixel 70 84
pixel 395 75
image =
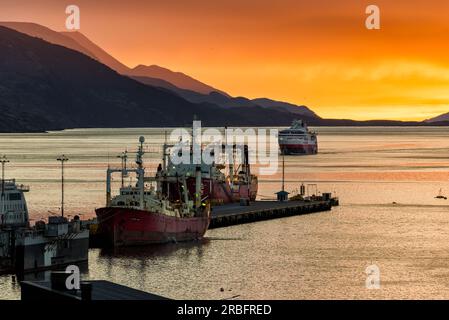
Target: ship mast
pixel 4 161
pixel 140 171
pixel 283 172
pixel 62 159
pixel 164 155
pixel 124 157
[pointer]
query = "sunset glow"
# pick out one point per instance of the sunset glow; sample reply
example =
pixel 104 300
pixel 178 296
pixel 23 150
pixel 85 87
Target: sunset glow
pixel 316 53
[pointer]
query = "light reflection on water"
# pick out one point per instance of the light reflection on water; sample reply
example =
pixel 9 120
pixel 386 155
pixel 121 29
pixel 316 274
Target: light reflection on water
pixel 386 178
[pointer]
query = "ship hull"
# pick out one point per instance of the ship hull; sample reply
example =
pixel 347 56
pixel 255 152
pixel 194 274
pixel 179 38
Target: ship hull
pixel 134 227
pixel 300 148
pixel 42 253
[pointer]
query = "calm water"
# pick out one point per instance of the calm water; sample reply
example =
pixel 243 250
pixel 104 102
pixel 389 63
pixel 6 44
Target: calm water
pixel 386 179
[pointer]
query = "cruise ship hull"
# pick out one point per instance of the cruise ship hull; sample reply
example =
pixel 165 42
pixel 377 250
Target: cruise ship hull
pixel 298 139
pixel 299 148
pixel 133 227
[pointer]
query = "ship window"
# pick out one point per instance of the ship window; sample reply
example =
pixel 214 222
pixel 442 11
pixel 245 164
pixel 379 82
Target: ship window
pixel 15 196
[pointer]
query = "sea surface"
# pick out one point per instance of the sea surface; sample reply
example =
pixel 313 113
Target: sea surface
pixel 386 179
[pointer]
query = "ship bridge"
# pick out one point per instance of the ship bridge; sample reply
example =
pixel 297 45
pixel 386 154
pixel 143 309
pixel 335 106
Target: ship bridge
pixel 13 207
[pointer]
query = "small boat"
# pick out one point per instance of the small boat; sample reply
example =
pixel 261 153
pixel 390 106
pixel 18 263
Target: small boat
pixel 440 195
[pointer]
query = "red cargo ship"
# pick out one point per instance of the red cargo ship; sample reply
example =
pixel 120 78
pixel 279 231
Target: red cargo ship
pixel 140 215
pixel 218 186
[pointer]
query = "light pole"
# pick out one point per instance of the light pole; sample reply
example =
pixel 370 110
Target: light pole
pixel 62 159
pixel 4 161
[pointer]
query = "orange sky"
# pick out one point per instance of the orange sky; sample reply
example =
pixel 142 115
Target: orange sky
pixel 315 52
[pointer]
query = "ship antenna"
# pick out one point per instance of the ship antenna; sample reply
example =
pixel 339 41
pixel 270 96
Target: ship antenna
pixel 62 159
pixel 164 152
pixel 140 152
pixel 283 172
pixel 123 156
pixel 141 172
pixel 126 160
pixel 4 161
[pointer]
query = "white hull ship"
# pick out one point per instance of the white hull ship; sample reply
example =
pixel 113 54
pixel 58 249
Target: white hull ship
pixel 298 139
pixel 43 246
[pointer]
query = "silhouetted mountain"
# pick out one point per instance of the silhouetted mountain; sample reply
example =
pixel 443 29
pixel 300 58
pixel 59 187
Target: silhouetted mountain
pixel 185 86
pixel 288 107
pixel 213 97
pixel 365 123
pixel 47 87
pixel 39 31
pixel 77 41
pixel 155 82
pixel 441 118
pixel 178 79
pixel 229 102
pixel 98 53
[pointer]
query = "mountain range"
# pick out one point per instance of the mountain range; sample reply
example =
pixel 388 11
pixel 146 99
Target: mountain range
pixel 178 82
pixel 44 86
pixel 56 80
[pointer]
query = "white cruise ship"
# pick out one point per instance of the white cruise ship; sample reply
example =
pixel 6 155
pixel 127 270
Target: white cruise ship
pixel 298 139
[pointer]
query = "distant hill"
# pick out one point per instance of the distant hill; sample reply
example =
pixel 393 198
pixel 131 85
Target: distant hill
pixel 178 79
pixel 441 118
pixel 228 102
pixel 39 31
pixel 48 87
pixel 289 107
pixel 98 53
pixel 77 41
pixel 184 85
pixel 45 86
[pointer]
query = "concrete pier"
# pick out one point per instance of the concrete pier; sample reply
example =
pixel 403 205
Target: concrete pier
pixel 233 214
